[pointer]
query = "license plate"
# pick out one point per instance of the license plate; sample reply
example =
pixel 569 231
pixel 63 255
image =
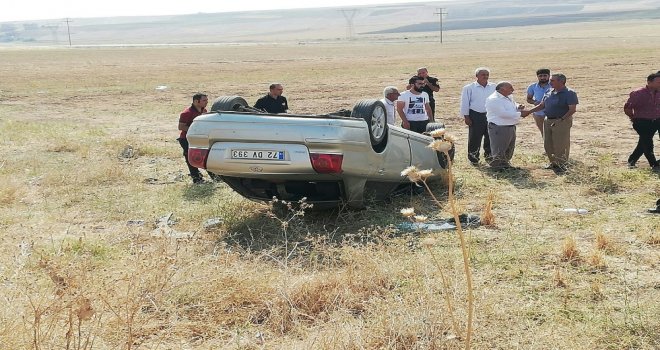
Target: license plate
pixel 257 154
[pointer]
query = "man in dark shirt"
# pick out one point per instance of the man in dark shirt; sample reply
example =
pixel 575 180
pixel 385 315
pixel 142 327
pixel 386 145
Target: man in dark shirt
pixel 643 109
pixel 430 86
pixel 186 118
pixel 560 104
pixel 273 102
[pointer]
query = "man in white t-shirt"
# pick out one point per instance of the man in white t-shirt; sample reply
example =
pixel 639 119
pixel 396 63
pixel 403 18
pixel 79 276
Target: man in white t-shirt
pixel 503 114
pixel 413 106
pixel 391 94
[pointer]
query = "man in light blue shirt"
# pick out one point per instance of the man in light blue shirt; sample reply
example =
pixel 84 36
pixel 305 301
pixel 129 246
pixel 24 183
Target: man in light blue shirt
pixel 473 109
pixel 535 93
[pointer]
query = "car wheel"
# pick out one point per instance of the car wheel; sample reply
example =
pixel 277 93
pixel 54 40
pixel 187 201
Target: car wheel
pixel 434 126
pixel 374 113
pixel 228 103
pixel 442 158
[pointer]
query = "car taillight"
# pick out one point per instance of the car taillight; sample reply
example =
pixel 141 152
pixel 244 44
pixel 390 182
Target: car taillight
pixel 326 163
pixel 197 157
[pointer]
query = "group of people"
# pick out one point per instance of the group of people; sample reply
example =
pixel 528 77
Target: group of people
pixel 490 112
pixel 272 102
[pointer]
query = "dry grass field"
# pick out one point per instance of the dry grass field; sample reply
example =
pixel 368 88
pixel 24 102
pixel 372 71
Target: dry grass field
pixel 83 264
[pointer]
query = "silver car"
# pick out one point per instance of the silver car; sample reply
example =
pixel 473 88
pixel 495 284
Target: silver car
pixel 347 157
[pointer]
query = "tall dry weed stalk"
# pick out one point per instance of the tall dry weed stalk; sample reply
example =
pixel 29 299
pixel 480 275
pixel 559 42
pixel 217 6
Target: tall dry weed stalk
pixel 488 218
pixel 444 143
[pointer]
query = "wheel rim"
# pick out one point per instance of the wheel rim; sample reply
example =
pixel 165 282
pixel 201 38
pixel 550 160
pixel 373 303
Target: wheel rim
pixel 378 120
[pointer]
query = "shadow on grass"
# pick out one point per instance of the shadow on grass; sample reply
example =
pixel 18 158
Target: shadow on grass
pixel 518 177
pixel 284 232
pixel 195 192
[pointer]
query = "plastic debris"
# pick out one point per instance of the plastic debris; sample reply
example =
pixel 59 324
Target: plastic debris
pixel 576 210
pixel 466 220
pixel 161 88
pixel 212 223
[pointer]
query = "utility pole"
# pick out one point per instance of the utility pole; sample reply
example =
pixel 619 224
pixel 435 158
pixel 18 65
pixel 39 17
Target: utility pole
pixel 440 12
pixel 67 20
pixel 348 15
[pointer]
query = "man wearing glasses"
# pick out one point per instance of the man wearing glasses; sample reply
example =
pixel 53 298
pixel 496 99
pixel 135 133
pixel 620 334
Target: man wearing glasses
pixel 413 106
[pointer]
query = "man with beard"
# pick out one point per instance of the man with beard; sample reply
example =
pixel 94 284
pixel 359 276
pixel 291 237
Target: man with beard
pixel 273 101
pixel 473 109
pixel 535 93
pixel 413 106
pixel 643 109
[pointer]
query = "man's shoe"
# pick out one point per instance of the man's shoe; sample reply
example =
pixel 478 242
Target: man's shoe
pixel 551 166
pixel 631 165
pixel 656 167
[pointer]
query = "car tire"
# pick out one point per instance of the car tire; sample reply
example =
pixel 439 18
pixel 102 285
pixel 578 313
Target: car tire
pixel 228 103
pixel 442 158
pixel 374 113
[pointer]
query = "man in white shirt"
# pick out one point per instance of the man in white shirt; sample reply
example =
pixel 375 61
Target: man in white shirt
pixel 391 94
pixel 413 106
pixel 473 109
pixel 503 114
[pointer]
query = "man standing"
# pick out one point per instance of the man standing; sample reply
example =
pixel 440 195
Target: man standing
pixel 560 104
pixel 535 93
pixel 643 109
pixel 473 109
pixel 503 114
pixel 390 95
pixel 273 102
pixel 186 118
pixel 430 86
pixel 413 106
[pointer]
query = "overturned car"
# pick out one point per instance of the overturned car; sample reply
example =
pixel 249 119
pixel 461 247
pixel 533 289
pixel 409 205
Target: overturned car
pixel 347 157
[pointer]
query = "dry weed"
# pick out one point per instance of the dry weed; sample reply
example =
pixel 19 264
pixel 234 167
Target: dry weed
pixel 488 218
pixel 569 251
pixel 597 293
pixel 596 259
pixel 10 192
pixel 603 242
pixel 559 279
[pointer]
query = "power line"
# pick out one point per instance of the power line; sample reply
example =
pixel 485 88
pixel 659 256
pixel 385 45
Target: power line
pixel 348 15
pixel 67 20
pixel 440 12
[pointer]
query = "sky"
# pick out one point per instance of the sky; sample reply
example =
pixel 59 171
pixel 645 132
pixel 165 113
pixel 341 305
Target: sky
pixel 25 10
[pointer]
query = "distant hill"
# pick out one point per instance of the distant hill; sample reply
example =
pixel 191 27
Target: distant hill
pixel 330 23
